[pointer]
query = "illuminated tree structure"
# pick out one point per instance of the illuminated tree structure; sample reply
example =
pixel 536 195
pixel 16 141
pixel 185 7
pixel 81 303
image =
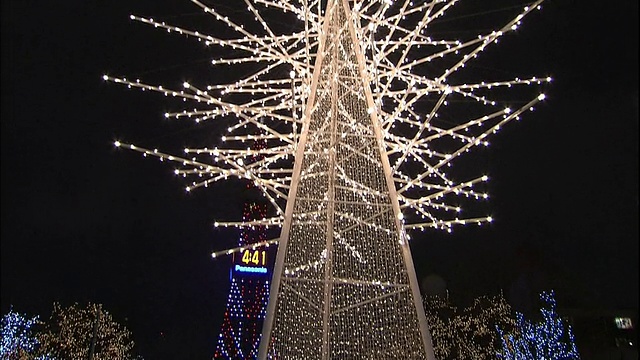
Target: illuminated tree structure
pixel 363 106
pixel 550 338
pixel 469 333
pixel 76 331
pixel 19 339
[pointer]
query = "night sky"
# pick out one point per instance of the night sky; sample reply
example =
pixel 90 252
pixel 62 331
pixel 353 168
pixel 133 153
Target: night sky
pixel 83 221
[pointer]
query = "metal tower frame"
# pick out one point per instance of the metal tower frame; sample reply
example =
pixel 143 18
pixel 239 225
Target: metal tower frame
pixel 341 129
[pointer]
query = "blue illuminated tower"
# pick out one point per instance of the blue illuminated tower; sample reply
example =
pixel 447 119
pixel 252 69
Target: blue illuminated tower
pixel 249 292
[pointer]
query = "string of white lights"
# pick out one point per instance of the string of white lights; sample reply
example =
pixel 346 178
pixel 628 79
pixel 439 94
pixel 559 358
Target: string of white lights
pixel 362 107
pixel 391 33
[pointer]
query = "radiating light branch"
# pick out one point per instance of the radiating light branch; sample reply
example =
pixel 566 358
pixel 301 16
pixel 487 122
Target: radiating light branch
pixel 411 143
pixel 240 29
pixel 448 223
pixel 491 130
pixel 443 191
pixel 235 44
pixel 511 26
pixel 240 249
pixel 265 26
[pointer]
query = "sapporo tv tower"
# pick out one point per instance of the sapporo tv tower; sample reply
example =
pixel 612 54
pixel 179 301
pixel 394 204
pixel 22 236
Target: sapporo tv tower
pixel 249 292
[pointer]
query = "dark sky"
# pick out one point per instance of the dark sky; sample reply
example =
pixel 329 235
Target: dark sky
pixel 84 222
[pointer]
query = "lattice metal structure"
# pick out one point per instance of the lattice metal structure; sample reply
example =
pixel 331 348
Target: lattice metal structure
pixel 363 107
pixel 344 284
pixel 245 311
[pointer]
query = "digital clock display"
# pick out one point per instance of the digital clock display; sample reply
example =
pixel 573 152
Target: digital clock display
pixel 251 261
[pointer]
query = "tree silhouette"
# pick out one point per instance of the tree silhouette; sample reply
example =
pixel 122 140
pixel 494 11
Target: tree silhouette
pixel 89 332
pixel 467 333
pixel 545 339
